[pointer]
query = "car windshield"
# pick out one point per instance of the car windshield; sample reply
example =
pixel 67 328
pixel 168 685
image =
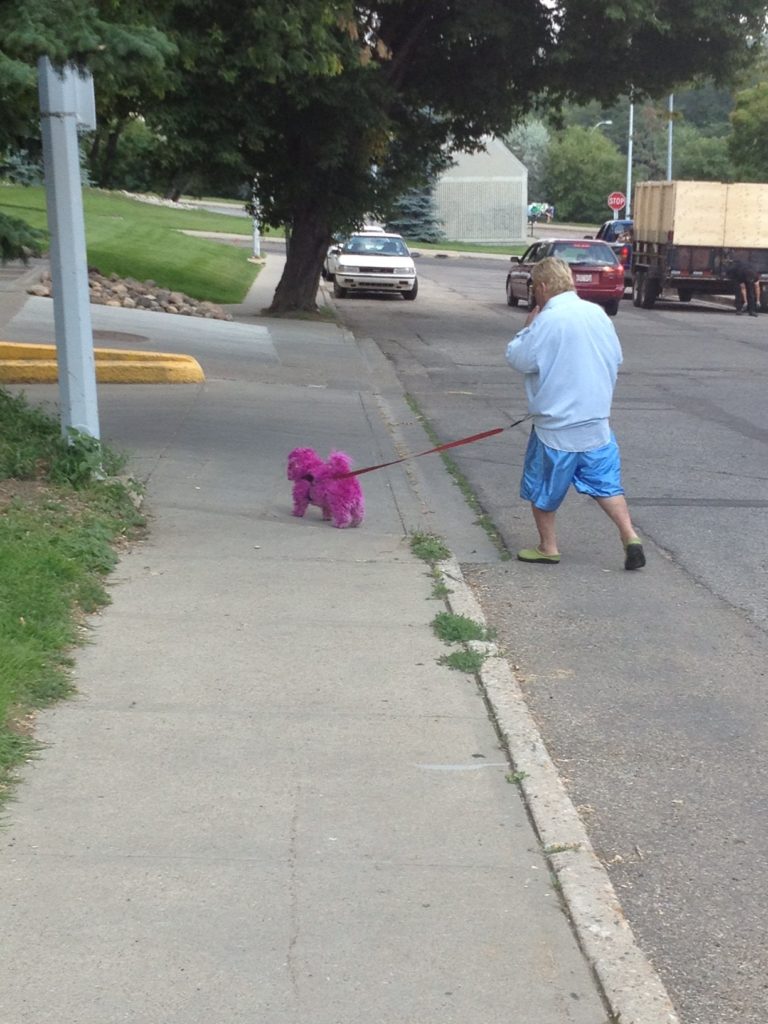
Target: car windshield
pixel 375 245
pixel 592 253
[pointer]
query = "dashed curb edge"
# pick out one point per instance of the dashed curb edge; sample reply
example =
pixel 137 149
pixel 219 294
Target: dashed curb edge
pixel 632 988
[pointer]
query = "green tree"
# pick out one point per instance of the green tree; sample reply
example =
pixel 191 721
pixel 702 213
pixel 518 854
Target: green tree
pixel 115 36
pixel 748 144
pixel 511 55
pixel 530 141
pixel 243 72
pixel 414 215
pixel 27 29
pixel 699 157
pixel 131 70
pixel 703 107
pixel 326 146
pixel 583 167
pixel 706 107
pixel 332 108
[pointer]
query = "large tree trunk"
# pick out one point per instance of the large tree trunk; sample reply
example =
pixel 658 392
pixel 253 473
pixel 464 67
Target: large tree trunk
pixel 110 155
pixel 178 183
pixel 309 241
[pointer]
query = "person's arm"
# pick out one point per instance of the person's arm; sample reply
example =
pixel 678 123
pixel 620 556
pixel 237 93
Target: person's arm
pixel 521 351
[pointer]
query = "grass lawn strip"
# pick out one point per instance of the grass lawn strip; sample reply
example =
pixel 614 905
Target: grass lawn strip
pixel 58 542
pixel 135 239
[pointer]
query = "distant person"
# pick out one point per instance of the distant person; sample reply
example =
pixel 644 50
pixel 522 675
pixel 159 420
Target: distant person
pixel 745 284
pixel 570 355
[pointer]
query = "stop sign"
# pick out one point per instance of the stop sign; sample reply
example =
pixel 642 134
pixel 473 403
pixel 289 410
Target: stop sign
pixel 617 200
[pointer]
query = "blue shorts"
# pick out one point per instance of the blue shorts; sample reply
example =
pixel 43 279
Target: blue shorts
pixel 548 473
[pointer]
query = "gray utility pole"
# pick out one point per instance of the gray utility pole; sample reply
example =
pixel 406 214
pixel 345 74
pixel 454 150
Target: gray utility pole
pixel 66 101
pixel 630 141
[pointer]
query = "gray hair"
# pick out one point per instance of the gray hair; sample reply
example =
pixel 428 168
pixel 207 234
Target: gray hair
pixel 554 274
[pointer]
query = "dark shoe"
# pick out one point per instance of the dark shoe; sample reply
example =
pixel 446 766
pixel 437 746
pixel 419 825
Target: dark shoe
pixel 741 311
pixel 753 314
pixel 634 555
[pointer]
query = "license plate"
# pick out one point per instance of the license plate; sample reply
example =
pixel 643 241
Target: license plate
pixel 583 278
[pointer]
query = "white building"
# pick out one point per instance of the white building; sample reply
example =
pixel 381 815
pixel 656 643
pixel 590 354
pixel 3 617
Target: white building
pixel 484 197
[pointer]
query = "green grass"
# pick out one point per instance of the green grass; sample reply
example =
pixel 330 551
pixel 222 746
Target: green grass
pixel 447 246
pixel 429 547
pixel 61 514
pixel 144 241
pixel 459 629
pixel 451 628
pixel 483 520
pixel 463 661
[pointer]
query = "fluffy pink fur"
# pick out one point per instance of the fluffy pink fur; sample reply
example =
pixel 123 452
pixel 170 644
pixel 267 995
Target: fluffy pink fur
pixel 321 483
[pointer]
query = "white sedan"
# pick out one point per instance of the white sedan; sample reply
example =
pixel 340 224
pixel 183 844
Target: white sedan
pixel 371 262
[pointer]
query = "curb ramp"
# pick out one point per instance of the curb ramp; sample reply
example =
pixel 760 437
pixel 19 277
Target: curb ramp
pixel 37 364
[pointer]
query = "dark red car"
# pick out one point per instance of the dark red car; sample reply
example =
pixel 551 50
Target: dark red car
pixel 597 273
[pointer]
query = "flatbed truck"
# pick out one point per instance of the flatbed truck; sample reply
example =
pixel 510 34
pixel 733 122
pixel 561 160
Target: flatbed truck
pixel 688 233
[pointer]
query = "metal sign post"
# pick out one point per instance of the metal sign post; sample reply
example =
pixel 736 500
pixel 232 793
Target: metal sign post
pixel 66 101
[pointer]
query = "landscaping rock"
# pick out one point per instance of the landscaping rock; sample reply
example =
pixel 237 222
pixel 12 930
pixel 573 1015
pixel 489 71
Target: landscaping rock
pixel 131 294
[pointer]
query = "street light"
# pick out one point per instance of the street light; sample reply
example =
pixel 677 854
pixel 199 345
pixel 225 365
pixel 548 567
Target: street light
pixel 599 124
pixel 630 140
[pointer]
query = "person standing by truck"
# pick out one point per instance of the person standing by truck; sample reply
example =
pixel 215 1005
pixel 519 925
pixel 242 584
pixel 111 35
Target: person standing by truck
pixel 744 277
pixel 570 355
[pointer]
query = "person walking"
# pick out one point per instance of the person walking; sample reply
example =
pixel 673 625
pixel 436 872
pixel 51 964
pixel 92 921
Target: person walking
pixel 570 355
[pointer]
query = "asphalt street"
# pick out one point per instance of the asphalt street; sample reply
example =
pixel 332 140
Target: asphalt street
pixel 649 688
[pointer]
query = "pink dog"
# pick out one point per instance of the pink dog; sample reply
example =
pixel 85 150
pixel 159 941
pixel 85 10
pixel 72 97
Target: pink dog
pixel 323 484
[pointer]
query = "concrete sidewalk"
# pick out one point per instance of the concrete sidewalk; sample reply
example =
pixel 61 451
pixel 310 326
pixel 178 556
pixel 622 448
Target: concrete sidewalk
pixel 268 802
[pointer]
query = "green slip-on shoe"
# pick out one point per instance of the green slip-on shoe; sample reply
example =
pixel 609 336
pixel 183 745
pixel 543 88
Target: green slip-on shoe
pixel 534 555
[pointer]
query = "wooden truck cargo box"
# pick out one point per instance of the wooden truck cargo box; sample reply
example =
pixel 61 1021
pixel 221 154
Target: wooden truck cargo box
pixel 702 213
pixel 682 212
pixel 746 216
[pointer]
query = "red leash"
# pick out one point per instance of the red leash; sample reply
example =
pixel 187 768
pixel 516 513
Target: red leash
pixel 439 448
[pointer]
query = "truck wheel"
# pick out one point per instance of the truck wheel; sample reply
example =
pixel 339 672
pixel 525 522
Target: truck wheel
pixel 612 308
pixel 650 292
pixel 338 291
pixel 512 300
pixel 684 294
pixel 638 284
pixel 413 292
pixel 531 297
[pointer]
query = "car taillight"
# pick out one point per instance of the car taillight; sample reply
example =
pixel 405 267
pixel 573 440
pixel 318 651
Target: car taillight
pixel 624 254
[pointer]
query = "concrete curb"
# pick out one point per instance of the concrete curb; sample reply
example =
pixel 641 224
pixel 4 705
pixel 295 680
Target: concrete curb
pixel 630 985
pixel 36 364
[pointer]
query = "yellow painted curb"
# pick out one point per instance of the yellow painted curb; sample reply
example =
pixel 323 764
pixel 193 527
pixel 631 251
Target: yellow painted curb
pixel 36 364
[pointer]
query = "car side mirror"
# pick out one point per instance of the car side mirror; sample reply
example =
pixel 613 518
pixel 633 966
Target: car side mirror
pixel 335 249
pixel 514 259
pixel 589 236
